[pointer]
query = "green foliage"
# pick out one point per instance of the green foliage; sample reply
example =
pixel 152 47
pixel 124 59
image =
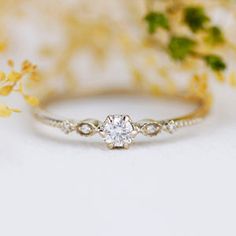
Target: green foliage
pixel 156 20
pixel 215 62
pixel 195 18
pixel 214 36
pixel 180 47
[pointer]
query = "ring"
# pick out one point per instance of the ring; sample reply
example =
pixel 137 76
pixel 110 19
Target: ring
pixel 119 130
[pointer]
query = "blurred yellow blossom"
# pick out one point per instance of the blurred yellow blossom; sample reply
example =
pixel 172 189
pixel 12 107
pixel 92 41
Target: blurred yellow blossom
pixel 31 100
pixel 13 82
pixel 184 39
pixel 232 79
pixel 198 86
pixel 6 90
pixel 3 46
pixel 6 111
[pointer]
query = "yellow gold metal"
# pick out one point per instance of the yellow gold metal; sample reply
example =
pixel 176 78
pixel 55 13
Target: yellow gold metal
pixel 143 127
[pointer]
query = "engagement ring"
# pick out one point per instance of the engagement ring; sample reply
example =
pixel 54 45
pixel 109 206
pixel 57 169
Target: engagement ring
pixel 119 130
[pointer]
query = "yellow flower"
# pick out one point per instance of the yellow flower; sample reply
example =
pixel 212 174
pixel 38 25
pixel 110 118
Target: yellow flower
pixel 3 46
pixel 6 90
pixel 13 82
pixel 11 63
pixel 232 79
pixel 2 76
pixel 199 86
pixel 155 90
pixel 31 100
pixel 6 111
pixel 14 76
pixel 220 77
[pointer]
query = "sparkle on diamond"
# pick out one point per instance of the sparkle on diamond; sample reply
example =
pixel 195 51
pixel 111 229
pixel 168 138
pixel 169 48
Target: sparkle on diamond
pixel 118 131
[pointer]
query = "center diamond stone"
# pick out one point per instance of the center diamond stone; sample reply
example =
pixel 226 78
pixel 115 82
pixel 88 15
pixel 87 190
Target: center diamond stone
pixel 118 131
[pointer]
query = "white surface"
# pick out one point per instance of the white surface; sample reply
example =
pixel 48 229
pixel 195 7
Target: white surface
pixel 171 186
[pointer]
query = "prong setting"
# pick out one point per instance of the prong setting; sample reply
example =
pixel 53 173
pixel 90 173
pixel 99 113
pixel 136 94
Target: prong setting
pixel 118 131
pixel 110 146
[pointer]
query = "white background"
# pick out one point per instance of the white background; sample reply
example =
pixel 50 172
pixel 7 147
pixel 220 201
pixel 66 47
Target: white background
pixel 171 186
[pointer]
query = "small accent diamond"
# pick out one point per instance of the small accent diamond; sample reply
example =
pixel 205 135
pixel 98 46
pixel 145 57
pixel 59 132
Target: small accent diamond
pixel 85 129
pixel 151 129
pixel 170 126
pixel 67 126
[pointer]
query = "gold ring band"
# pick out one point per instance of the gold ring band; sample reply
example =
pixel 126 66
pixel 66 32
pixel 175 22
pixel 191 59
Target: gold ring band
pixel 119 131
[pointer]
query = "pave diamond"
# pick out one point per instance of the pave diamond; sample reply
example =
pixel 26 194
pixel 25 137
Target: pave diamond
pixel 170 126
pixel 118 131
pixel 67 126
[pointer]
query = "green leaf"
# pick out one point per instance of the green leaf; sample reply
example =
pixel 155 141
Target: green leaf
pixel 195 18
pixel 215 36
pixel 215 62
pixel 180 47
pixel 155 21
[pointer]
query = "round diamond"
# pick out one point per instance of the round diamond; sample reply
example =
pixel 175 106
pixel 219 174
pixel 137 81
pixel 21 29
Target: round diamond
pixel 67 126
pixel 170 126
pixel 85 129
pixel 152 129
pixel 118 131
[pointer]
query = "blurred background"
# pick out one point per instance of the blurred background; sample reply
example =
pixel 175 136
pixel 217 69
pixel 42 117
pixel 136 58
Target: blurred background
pixel 81 44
